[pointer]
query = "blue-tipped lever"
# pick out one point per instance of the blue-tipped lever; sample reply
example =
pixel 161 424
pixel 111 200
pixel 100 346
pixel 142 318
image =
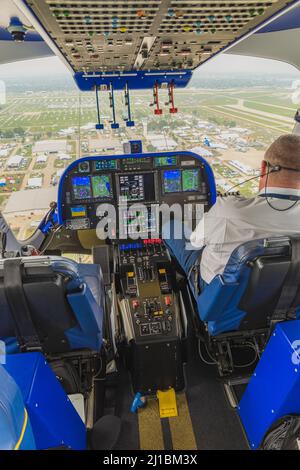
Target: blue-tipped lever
pixel 98 126
pixel 138 402
pixel 129 121
pixel 114 124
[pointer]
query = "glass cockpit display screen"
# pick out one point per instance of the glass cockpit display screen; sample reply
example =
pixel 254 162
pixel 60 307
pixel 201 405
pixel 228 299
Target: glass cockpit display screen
pixel 190 180
pixel 137 187
pixel 81 187
pixel 176 181
pixel 138 222
pixel 102 186
pixel 165 161
pixel 100 165
pixel 172 181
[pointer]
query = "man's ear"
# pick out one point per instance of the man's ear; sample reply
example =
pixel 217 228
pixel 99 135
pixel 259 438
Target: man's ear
pixel 263 172
pixel 264 167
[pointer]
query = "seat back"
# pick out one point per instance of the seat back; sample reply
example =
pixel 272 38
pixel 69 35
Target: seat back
pixel 246 296
pixel 55 422
pixel 66 314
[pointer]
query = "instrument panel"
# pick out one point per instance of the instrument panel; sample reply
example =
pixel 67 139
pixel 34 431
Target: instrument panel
pixel 90 184
pixel 106 36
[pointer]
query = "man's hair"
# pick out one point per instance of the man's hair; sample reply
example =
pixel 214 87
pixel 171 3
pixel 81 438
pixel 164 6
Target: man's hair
pixel 285 151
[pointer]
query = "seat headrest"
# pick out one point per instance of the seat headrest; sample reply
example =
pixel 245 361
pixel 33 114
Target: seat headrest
pixel 58 264
pixel 277 246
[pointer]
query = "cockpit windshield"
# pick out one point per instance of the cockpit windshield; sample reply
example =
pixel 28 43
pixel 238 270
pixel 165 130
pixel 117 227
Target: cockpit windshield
pixel 232 109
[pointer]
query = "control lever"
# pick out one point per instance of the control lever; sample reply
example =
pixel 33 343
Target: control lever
pixel 163 281
pixel 99 125
pixel 129 121
pixel 131 285
pixel 157 110
pixel 114 124
pixel 171 87
pixel 152 273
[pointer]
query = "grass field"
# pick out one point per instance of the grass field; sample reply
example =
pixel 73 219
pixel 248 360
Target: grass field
pixel 55 111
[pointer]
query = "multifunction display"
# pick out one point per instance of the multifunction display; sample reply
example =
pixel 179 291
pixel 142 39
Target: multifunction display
pixel 175 181
pixel 102 186
pixel 137 187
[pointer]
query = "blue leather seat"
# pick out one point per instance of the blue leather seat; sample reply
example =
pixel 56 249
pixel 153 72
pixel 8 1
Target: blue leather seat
pixel 245 296
pixel 66 302
pixel 53 420
pixel 15 427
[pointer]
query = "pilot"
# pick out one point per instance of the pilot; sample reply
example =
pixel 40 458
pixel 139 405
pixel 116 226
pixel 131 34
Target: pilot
pixel 234 220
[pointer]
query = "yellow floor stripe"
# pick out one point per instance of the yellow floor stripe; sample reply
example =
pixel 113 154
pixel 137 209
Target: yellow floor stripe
pixel 182 431
pixel 150 430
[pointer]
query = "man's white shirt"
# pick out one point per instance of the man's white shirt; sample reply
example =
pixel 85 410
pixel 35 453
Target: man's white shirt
pixel 233 221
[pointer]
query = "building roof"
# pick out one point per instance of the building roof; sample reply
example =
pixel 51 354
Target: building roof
pixel 104 143
pixel 41 158
pixel 16 160
pixel 50 146
pixel 202 151
pixel 161 142
pixel 60 172
pixel 64 156
pixel 37 199
pixel 4 152
pixel 35 182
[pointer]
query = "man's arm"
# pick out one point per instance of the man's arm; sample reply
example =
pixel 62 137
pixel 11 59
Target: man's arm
pixel 211 229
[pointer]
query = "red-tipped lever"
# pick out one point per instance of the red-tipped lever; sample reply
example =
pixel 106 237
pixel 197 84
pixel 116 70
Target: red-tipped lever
pixel 157 110
pixel 173 110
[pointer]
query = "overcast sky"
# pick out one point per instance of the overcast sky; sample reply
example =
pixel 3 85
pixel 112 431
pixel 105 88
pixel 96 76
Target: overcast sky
pixel 228 64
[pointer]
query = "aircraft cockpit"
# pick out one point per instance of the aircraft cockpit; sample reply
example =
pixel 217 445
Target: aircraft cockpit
pixel 110 337
pixel 119 202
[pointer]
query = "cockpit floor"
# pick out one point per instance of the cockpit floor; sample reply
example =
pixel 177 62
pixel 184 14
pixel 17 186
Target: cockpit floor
pixel 205 419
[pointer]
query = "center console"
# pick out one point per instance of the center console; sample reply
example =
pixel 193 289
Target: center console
pixel 152 315
pixel 148 286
